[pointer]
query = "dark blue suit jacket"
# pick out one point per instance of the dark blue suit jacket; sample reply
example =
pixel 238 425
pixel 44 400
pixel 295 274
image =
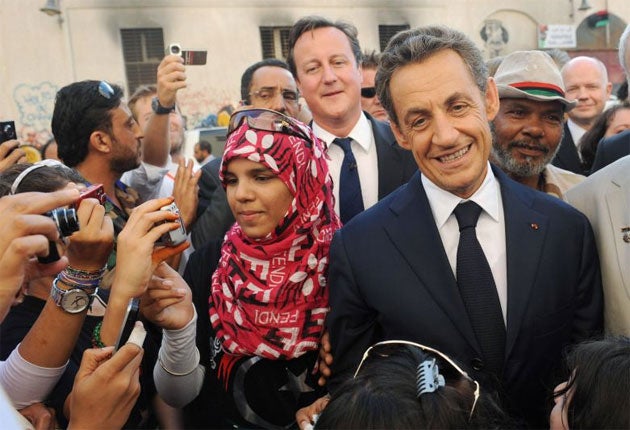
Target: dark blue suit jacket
pixel 390 279
pixel 395 166
pixel 611 149
pixel 567 157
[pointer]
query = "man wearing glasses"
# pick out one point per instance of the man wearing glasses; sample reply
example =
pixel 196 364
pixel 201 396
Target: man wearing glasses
pixel 496 275
pixel 369 102
pixel 366 164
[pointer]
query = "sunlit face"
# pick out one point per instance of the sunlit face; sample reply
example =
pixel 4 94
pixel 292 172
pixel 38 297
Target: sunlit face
pixel 559 419
pixel 443 119
pixel 372 105
pixel 126 140
pixel 274 88
pixel 328 76
pixel 257 197
pixel 526 135
pixel 586 81
pixel 143 111
pixel 619 122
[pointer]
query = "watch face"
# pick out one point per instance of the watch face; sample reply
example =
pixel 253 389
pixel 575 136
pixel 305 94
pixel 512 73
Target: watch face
pixel 75 301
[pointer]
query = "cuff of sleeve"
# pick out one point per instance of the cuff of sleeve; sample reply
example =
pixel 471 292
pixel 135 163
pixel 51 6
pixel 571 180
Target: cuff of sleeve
pixel 179 355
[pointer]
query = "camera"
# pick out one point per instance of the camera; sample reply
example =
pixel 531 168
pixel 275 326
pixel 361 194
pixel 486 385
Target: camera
pixel 67 223
pixel 191 58
pixel 7 131
pixel 95 191
pixel 173 237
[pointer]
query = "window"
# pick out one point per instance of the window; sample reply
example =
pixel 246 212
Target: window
pixel 275 42
pixel 386 32
pixel 143 49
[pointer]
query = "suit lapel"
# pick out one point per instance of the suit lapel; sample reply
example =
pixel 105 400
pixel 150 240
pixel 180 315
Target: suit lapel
pixel 525 232
pixel 421 246
pixel 390 175
pixel 567 155
pixel 618 201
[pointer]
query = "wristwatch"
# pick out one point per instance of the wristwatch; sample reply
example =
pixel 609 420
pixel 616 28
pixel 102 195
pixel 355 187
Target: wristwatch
pixel 159 109
pixel 72 301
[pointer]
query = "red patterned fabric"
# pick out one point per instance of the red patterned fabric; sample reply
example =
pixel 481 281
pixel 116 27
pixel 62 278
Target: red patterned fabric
pixel 269 296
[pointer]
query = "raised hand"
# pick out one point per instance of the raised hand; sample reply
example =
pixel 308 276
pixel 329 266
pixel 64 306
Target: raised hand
pixel 168 300
pixel 186 191
pixel 8 158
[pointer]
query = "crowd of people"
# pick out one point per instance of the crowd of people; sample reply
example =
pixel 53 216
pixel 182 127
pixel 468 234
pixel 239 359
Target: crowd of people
pixel 389 240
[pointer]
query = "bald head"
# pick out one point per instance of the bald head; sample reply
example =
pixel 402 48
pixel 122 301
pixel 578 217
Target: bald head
pixel 586 80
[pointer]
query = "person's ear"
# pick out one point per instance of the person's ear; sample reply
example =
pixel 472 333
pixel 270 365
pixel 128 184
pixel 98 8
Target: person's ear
pixel 101 141
pixel 492 99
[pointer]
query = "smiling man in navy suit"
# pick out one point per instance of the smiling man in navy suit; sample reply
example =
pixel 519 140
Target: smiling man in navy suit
pixel 398 270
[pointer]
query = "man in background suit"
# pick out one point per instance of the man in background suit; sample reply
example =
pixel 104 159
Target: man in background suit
pixel 585 80
pixel 605 199
pixel 393 267
pixel 325 58
pixel 617 146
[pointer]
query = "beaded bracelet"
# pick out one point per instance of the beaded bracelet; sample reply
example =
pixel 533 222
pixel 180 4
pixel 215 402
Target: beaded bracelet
pixel 85 274
pixel 82 279
pixel 96 336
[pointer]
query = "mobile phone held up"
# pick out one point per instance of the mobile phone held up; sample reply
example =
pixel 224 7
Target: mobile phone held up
pixel 7 131
pixel 94 191
pixel 191 58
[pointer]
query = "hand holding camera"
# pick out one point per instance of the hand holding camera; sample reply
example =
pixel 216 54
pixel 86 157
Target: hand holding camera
pixel 10 153
pixel 137 253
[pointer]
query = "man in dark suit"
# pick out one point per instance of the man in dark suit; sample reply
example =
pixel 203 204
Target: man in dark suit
pixel 399 270
pixel 325 58
pixel 585 80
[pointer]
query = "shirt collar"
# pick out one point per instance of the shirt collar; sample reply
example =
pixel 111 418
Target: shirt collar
pixel 361 133
pixel 576 131
pixel 443 202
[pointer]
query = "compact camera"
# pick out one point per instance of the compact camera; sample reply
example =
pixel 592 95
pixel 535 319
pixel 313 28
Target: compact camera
pixel 191 58
pixel 95 191
pixel 173 237
pixel 67 223
pixel 7 131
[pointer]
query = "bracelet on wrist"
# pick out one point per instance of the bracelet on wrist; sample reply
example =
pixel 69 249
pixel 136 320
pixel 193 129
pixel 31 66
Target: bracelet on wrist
pixel 96 336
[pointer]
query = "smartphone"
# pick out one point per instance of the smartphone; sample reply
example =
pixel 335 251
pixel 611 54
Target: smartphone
pixel 131 316
pixel 94 191
pixel 191 58
pixel 7 131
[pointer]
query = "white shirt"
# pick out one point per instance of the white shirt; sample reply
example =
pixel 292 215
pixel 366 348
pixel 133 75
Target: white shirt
pixel 490 227
pixel 364 151
pixel 576 133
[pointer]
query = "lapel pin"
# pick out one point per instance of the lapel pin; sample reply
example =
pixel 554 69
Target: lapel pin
pixel 534 226
pixel 626 234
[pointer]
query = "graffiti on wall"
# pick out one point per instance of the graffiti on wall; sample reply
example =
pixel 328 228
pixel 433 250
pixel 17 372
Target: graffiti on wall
pixel 198 104
pixel 35 105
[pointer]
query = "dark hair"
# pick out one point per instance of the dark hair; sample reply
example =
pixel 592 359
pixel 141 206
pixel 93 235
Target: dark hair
pixel 44 179
pixel 384 395
pixel 590 140
pixel 141 92
pixel 370 60
pixel 80 109
pixel 311 23
pixel 417 45
pixel 204 145
pixel 248 74
pixel 599 384
pixel 43 149
pixel 622 92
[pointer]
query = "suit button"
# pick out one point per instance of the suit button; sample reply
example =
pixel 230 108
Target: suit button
pixel 477 364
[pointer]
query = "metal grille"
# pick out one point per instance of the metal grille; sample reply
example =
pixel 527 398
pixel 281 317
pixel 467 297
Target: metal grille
pixel 386 32
pixel 275 42
pixel 143 49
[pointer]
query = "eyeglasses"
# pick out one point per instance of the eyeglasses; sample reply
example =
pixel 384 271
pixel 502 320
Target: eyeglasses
pixel 43 163
pixel 368 92
pixel 268 120
pixel 269 93
pixel 390 347
pixel 105 90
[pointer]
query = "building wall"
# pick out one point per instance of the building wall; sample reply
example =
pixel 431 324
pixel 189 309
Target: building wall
pixel 40 54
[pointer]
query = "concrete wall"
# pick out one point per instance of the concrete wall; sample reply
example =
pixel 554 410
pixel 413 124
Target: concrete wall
pixel 40 54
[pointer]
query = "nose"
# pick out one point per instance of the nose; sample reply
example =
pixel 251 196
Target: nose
pixel 582 93
pixel 329 75
pixel 534 128
pixel 444 133
pixel 137 131
pixel 242 191
pixel 278 103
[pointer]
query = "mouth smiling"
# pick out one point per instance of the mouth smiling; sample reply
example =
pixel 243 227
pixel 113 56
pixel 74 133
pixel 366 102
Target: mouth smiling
pixel 455 155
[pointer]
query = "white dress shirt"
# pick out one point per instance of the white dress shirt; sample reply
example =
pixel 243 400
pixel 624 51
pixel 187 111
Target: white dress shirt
pixel 576 133
pixel 490 227
pixel 364 151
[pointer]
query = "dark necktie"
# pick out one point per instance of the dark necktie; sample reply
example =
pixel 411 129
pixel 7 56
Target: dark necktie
pixel 477 289
pixel 350 197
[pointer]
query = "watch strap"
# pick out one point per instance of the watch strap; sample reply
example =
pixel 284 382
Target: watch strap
pixel 57 294
pixel 159 109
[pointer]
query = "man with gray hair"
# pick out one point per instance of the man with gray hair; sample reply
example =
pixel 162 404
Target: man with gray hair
pixel 585 80
pixel 617 146
pixel 527 130
pixel 462 259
